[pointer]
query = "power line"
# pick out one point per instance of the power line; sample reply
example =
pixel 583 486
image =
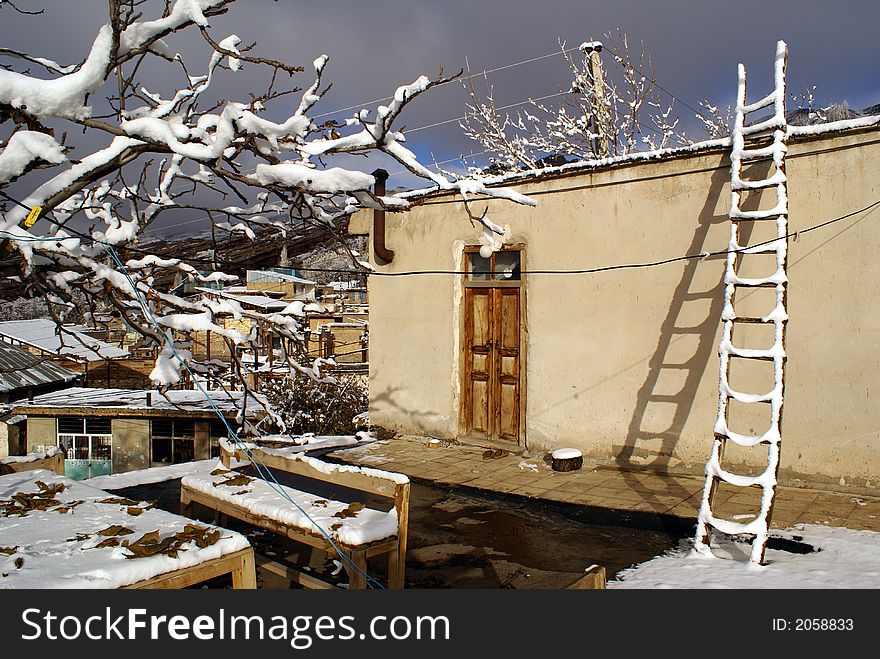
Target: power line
pixel 594 270
pixel 461 79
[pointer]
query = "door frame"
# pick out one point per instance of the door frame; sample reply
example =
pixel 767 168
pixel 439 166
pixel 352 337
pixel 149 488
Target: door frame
pixel 463 370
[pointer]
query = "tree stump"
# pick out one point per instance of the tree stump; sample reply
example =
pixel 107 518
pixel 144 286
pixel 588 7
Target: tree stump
pixel 566 459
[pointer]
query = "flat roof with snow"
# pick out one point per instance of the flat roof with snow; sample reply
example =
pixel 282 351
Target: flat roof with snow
pixel 141 403
pixel 268 275
pixel 67 341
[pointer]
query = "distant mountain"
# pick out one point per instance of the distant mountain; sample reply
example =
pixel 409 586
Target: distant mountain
pixel 835 112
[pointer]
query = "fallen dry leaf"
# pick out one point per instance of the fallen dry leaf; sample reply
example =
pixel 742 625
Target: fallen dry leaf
pixel 114 530
pixel 351 511
pixel 122 501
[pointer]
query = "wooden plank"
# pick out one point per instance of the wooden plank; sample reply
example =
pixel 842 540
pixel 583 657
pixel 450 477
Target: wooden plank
pixel 290 573
pixel 313 538
pixel 351 479
pixel 593 579
pixel 240 564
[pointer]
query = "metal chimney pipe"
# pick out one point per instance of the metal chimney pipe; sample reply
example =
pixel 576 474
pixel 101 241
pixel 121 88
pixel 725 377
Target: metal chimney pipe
pixel 384 256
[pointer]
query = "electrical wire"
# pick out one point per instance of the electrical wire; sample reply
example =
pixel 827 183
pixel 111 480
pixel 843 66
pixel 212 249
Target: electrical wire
pixel 577 271
pixel 459 79
pixel 264 471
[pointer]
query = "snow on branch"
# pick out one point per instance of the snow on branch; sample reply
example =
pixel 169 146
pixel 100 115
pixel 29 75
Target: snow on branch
pixel 252 165
pixel 611 110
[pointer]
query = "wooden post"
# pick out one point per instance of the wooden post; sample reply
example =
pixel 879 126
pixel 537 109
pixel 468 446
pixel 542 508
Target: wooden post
pixel 245 575
pixel 397 559
pixel 601 118
pixel 356 573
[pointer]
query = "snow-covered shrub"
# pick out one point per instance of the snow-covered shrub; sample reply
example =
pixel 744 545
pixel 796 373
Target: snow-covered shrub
pixel 324 408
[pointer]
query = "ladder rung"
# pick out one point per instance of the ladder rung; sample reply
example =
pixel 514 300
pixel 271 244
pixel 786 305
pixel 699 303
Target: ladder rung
pixel 763 358
pixel 760 249
pixel 772 214
pixel 756 284
pixel 772 182
pixel 764 399
pixel 754 319
pixel 769 124
pixel 767 101
pixel 725 437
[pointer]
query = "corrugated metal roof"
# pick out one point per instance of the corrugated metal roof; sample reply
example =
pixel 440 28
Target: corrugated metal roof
pixel 20 369
pixel 43 334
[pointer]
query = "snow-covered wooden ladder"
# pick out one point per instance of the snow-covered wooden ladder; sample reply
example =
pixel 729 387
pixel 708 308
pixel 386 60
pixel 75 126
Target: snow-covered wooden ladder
pixel 738 253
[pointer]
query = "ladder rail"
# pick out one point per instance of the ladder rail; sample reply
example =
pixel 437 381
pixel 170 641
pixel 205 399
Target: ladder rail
pixel 766 480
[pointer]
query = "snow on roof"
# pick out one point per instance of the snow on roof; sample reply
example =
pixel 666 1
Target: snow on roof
pixel 43 333
pixel 263 302
pixel 20 369
pixel 191 402
pixel 268 275
pixel 521 176
pixel 48 544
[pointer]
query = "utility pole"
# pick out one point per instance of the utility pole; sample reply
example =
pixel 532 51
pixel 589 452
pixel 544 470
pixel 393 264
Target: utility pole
pixel 601 118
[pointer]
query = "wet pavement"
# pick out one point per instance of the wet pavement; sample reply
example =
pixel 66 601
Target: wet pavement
pixel 609 487
pixel 460 537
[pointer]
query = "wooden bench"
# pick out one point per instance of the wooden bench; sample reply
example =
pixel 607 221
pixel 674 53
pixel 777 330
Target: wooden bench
pixel 359 533
pixel 240 565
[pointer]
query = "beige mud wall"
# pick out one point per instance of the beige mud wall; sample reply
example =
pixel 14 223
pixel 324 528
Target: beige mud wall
pixel 131 444
pixel 40 432
pixel 624 364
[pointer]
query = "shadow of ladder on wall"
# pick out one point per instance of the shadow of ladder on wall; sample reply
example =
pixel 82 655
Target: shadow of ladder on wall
pixel 739 255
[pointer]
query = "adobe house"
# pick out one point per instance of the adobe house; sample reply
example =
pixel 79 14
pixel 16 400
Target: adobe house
pixel 105 431
pixel 623 364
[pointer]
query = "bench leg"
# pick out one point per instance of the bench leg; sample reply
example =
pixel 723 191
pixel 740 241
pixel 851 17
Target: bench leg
pixel 186 508
pixel 395 570
pixel 245 575
pixel 397 564
pixel 356 574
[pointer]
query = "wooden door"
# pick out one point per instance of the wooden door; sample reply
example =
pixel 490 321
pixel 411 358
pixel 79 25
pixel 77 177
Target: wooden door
pixel 492 363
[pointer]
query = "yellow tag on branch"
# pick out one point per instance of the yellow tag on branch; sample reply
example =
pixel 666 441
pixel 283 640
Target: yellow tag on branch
pixel 33 216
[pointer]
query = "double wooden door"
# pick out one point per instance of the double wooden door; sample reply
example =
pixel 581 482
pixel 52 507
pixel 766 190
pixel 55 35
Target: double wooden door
pixel 491 401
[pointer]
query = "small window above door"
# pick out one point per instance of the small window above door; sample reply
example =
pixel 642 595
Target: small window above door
pixel 502 266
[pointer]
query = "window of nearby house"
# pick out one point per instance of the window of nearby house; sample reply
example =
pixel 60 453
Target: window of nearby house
pixel 503 266
pixel 77 425
pixel 172 440
pixel 85 438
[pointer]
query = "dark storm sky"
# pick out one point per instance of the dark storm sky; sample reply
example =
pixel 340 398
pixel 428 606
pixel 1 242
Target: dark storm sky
pixel 376 45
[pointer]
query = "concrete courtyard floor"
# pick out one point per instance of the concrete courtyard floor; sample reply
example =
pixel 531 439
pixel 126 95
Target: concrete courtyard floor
pixel 603 486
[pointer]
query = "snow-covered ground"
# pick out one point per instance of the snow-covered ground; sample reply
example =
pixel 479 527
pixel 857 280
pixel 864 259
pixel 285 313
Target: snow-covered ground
pixel 844 559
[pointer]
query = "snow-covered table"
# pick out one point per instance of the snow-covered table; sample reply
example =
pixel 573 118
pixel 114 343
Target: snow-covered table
pixel 59 533
pixel 356 530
